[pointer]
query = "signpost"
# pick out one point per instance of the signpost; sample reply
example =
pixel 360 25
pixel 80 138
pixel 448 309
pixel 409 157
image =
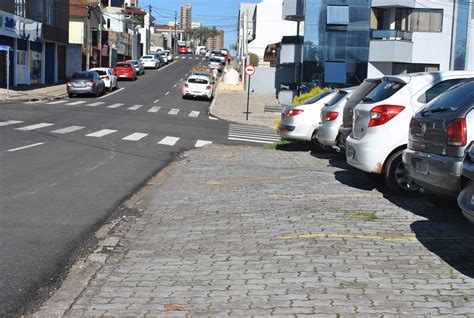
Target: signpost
pixel 249 70
pixel 7 63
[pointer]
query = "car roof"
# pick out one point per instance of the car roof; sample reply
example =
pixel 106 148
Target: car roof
pixel 197 76
pixel 99 69
pixel 428 77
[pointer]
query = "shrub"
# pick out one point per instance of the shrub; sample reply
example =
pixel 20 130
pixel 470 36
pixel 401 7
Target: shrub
pixel 299 100
pixel 254 59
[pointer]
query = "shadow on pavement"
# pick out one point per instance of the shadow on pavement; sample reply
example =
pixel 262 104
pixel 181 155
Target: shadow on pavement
pixel 294 146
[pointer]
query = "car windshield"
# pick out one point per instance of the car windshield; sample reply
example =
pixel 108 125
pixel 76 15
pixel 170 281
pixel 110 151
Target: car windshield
pixel 452 99
pixel 317 97
pixel 125 65
pixel 385 89
pixel 84 75
pixel 195 80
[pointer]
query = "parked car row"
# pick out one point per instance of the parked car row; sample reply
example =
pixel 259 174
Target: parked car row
pixel 415 130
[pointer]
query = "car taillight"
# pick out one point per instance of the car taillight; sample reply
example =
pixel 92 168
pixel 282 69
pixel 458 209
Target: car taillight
pixel 294 112
pixel 457 133
pixel 106 77
pixel 331 116
pixel 381 114
pixel 69 84
pixel 186 85
pixel 93 84
pixel 208 87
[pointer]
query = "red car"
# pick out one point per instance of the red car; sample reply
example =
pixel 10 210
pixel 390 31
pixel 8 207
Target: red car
pixel 183 50
pixel 125 70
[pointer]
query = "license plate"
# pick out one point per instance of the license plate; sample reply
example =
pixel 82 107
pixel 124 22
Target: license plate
pixel 122 75
pixel 350 152
pixel 422 167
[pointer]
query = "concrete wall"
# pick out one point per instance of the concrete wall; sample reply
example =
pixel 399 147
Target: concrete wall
pixel 73 59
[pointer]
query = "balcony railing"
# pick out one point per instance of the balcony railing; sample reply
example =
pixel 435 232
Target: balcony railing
pixel 391 35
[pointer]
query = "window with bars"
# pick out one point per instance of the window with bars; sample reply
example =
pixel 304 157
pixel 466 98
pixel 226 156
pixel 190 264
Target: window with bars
pixel 20 8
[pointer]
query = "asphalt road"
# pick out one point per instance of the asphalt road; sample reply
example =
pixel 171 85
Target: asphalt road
pixel 67 165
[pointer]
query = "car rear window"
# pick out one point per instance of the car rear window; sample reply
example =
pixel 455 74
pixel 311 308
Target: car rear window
pixel 197 81
pixel 100 72
pixel 453 99
pixel 84 75
pixel 317 97
pixel 215 60
pixel 336 98
pixel 385 89
pixel 125 65
pixel 147 57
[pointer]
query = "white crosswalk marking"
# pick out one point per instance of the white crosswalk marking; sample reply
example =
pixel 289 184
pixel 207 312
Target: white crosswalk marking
pixel 101 133
pixel 76 103
pixel 197 58
pixel 33 127
pixel 169 141
pixel 154 109
pixel 263 135
pixel 173 111
pixel 135 137
pixel 194 114
pixel 67 130
pixel 95 104
pixel 135 107
pixel 26 147
pixel 213 118
pixel 115 105
pixel 202 143
pixel 10 122
pixel 57 102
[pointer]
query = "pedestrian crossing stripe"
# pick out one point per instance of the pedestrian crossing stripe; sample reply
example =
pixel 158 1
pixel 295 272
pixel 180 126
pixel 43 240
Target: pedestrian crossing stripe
pixel 154 109
pixel 67 130
pixel 117 105
pixel 10 122
pixel 169 141
pixel 57 102
pixel 254 134
pixel 135 107
pixel 95 104
pixel 34 127
pixel 76 103
pixel 135 137
pixel 173 111
pixel 101 133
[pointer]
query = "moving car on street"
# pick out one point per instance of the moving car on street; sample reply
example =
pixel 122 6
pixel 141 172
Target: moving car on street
pixel 198 86
pixel 380 130
pixel 439 136
pixel 183 50
pixel 108 76
pixel 125 70
pixel 150 61
pixel 302 122
pixel 85 83
pixel 215 64
pixel 139 67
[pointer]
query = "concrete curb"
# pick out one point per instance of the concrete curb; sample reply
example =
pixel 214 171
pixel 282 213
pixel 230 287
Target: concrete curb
pixel 32 99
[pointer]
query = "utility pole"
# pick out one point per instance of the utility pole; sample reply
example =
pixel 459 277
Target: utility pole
pixel 175 32
pixel 148 41
pixel 99 40
pixel 133 37
pixel 88 35
pixel 244 46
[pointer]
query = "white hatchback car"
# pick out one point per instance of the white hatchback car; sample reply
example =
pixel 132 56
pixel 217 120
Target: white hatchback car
pixel 302 122
pixel 198 86
pixel 108 76
pixel 381 123
pixel 150 61
pixel 169 56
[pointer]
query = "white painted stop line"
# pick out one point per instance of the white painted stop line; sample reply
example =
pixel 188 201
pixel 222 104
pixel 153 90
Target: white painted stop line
pixel 135 137
pixel 101 133
pixel 169 141
pixel 33 127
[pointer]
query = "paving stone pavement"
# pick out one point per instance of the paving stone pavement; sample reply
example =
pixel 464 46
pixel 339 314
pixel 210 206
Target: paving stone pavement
pixel 240 231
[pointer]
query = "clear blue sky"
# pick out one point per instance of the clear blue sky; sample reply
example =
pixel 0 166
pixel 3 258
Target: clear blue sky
pixel 219 13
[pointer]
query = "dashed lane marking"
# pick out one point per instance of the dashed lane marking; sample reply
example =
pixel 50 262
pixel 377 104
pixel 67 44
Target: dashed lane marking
pixel 101 133
pixel 169 141
pixel 135 137
pixel 154 109
pixel 135 107
pixel 173 111
pixel 202 143
pixel 33 127
pixel 10 122
pixel 194 114
pixel 67 130
pixel 26 147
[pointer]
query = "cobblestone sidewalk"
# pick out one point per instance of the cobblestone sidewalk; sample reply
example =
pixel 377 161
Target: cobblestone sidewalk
pixel 239 231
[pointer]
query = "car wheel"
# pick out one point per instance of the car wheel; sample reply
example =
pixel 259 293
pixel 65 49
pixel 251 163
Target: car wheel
pixel 315 144
pixel 97 93
pixel 71 95
pixel 397 178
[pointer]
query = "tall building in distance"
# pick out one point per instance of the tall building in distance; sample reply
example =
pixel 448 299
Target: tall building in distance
pixel 186 17
pixel 215 42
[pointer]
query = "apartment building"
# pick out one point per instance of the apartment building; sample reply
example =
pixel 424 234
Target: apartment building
pixel 37 33
pixel 215 42
pixel 186 17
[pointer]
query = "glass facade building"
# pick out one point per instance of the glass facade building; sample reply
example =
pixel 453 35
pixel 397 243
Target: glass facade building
pixel 336 44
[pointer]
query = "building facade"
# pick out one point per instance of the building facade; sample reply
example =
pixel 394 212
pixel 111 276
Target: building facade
pixel 37 34
pixel 186 17
pixel 215 42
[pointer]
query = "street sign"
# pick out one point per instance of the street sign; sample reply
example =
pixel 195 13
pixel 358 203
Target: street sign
pixel 250 70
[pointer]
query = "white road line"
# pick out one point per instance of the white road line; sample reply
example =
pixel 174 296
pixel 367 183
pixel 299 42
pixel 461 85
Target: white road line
pixel 213 118
pixel 156 101
pixel 197 58
pixel 101 133
pixel 202 143
pixel 33 127
pixel 67 130
pixel 135 137
pixel 117 105
pixel 167 93
pixel 95 104
pixel 169 141
pixel 254 133
pixel 252 140
pixel 183 57
pixel 76 103
pixel 26 147
pixel 110 94
pixel 10 122
pixel 194 114
pixel 135 107
pixel 256 137
pixel 186 75
pixel 174 86
pixel 181 79
pixel 57 102
pixel 173 111
pixel 154 109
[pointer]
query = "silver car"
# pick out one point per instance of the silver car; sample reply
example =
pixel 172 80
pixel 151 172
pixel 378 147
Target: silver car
pixel 466 196
pixel 439 136
pixel 215 64
pixel 331 117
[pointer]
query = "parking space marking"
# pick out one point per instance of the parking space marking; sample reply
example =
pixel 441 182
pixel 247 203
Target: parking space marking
pixel 154 109
pixel 57 102
pixel 33 127
pixel 10 122
pixel 169 141
pixel 101 133
pixel 135 137
pixel 194 114
pixel 76 103
pixel 117 105
pixel 67 130
pixel 173 111
pixel 110 94
pixel 135 107
pixel 202 143
pixel 95 104
pixel 26 147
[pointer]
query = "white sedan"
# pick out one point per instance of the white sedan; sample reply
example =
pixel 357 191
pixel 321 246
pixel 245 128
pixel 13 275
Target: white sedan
pixel 108 76
pixel 150 61
pixel 198 86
